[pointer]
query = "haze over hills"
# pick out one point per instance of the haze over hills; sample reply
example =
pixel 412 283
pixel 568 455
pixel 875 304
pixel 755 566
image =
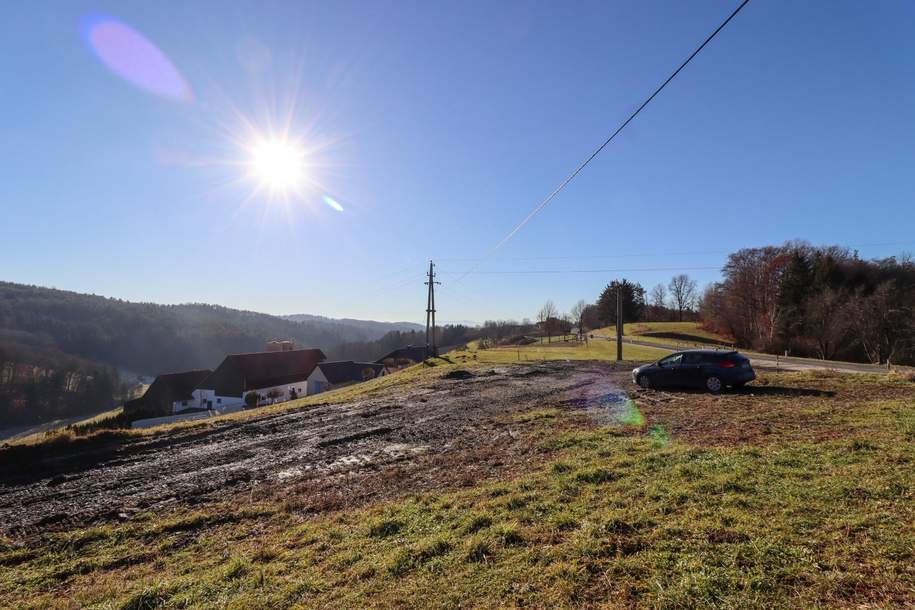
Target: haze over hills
pixel 374 328
pixel 65 353
pixel 149 338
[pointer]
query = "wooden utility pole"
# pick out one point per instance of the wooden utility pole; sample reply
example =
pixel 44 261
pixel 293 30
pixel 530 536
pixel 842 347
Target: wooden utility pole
pixel 431 347
pixel 619 321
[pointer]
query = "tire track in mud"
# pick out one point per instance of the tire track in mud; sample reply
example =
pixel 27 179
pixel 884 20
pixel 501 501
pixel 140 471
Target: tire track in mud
pixel 312 444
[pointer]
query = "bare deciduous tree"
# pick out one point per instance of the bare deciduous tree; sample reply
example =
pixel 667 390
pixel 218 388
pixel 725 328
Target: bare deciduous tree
pixel 545 316
pixel 683 293
pixel 882 322
pixel 826 322
pixel 578 312
pixel 590 317
pixel 658 296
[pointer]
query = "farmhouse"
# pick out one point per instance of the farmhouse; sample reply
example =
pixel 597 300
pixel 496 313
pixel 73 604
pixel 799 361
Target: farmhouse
pixel 169 393
pixel 330 375
pixel 272 377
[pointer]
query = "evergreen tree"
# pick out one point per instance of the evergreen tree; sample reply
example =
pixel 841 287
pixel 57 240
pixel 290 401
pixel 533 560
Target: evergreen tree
pixel 633 301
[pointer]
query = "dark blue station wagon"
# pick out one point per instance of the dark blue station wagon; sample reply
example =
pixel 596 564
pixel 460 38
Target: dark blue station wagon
pixel 709 369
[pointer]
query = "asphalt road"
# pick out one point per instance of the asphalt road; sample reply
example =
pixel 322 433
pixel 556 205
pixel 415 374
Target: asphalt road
pixel 775 362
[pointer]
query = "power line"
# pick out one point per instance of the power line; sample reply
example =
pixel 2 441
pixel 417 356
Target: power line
pixel 648 254
pixel 600 148
pixel 561 271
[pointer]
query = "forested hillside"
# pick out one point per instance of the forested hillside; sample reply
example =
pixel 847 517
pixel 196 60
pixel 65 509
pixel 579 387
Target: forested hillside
pixel 816 301
pixel 371 328
pixel 60 350
pixel 147 338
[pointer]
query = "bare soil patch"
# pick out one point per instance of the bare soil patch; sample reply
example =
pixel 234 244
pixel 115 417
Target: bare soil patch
pixel 450 431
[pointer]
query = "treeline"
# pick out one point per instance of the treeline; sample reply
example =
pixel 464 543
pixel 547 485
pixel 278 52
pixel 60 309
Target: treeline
pixel 675 301
pixel 824 302
pixel 146 338
pixel 368 351
pixel 38 385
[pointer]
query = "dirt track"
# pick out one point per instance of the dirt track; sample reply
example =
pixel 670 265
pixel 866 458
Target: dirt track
pixel 307 451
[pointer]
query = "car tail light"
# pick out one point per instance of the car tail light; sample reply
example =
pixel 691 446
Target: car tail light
pixel 728 364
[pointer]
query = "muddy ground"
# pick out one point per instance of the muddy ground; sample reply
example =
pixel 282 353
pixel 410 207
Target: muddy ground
pixel 450 431
pixel 446 432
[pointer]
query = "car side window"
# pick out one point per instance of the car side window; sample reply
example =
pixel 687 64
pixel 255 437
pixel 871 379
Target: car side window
pixel 671 360
pixel 692 358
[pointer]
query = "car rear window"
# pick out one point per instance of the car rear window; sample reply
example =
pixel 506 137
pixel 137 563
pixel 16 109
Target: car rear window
pixel 715 358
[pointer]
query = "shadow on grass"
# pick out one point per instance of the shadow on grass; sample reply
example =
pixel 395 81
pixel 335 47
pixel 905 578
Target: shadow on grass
pixel 756 390
pixel 775 390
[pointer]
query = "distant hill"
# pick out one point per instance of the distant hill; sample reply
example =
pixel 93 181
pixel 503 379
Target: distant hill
pixel 65 353
pixel 374 330
pixel 149 339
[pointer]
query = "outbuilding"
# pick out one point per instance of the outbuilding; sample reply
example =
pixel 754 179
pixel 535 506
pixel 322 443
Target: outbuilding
pixel 169 393
pixel 331 375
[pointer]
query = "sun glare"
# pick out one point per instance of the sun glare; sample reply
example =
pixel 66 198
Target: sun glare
pixel 279 165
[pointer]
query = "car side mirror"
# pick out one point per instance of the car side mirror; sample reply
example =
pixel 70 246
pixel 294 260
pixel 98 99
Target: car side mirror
pixel 660 364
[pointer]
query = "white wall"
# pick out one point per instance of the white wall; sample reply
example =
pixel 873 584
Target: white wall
pixel 300 387
pixel 317 382
pixel 230 404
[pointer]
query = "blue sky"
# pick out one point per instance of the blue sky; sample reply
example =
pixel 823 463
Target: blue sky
pixel 440 126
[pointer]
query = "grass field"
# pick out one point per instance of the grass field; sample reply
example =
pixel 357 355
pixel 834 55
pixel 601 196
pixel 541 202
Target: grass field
pixel 685 334
pixel 805 501
pixel 559 350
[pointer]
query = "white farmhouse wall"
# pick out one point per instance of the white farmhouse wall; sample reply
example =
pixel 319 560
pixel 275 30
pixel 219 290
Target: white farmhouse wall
pixel 317 382
pixel 300 387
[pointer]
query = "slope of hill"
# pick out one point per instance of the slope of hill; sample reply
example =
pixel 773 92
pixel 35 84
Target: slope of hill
pixel 148 338
pixel 373 329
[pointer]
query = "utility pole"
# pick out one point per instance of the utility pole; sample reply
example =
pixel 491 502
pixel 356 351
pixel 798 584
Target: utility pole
pixel 431 347
pixel 619 321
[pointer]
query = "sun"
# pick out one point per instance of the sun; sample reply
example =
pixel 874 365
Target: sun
pixel 279 165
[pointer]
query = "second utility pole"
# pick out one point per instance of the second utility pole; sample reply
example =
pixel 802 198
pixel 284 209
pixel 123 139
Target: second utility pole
pixel 619 322
pixel 431 348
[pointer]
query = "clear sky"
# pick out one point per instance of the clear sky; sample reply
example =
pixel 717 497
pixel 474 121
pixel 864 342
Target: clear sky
pixel 437 126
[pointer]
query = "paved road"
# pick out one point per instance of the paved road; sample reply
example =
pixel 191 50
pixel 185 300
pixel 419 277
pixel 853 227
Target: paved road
pixel 771 361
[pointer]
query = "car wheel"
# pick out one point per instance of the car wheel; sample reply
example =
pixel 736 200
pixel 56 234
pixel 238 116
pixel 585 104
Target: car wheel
pixel 645 381
pixel 713 384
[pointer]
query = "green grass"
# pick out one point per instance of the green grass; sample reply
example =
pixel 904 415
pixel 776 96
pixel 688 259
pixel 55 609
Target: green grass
pixel 685 334
pixel 558 350
pixel 612 517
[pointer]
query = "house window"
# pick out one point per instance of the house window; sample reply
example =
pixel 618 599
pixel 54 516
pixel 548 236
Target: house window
pixel 183 403
pixel 219 401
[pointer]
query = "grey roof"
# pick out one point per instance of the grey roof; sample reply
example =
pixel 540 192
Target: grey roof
pixel 343 371
pixel 416 353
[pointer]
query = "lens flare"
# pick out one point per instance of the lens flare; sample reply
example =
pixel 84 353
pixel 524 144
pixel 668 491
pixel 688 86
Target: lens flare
pixel 332 203
pixel 134 58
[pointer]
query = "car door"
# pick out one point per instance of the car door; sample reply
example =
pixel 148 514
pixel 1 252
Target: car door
pixel 690 371
pixel 668 368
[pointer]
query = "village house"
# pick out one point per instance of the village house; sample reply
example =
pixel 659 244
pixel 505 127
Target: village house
pixel 269 377
pixel 167 394
pixel 332 375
